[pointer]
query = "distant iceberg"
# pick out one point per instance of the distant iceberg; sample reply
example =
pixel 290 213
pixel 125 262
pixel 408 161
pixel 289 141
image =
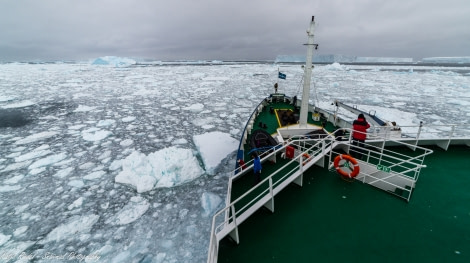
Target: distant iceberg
pixel 458 60
pixel 114 61
pixel 341 59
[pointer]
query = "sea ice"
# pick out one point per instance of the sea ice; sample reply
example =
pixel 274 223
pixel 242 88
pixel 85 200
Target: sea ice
pixel 49 160
pixel 4 239
pixel 198 107
pixel 128 119
pixel 83 108
pixel 36 137
pixel 133 210
pixel 214 147
pixel 210 202
pixel 20 104
pixel 93 135
pixel 71 105
pixel 165 168
pixel 72 229
pixel 126 142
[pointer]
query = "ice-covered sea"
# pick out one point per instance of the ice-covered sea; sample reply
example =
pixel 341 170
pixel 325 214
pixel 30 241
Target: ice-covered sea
pixel 127 164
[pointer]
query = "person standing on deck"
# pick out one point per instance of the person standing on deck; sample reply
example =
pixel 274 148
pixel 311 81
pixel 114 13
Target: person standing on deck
pixel 359 135
pixel 256 167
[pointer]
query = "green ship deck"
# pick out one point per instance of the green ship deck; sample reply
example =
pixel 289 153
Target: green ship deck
pixel 329 219
pixel 332 220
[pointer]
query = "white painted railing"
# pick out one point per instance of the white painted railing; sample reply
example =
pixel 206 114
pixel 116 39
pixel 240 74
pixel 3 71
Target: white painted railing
pixel 391 171
pixel 226 221
pixel 401 173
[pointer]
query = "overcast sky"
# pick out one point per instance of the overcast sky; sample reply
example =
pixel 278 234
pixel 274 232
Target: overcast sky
pixel 226 30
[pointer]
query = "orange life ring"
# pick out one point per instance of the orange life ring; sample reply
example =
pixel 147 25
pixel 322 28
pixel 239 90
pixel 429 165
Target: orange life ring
pixel 306 156
pixel 349 160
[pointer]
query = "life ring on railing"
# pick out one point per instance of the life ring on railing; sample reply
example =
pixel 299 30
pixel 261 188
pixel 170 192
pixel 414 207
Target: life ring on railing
pixel 306 157
pixel 349 160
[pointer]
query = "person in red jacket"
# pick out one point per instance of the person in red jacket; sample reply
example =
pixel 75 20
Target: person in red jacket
pixel 359 135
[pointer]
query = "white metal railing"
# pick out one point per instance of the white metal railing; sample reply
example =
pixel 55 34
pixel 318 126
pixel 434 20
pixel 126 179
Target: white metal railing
pixel 388 170
pixel 226 221
pixel 422 134
pixel 309 152
pixel 422 131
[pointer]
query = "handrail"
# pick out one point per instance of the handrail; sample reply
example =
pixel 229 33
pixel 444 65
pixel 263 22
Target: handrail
pixel 231 206
pixel 314 147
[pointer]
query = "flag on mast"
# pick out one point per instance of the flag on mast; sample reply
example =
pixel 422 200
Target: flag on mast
pixel 282 75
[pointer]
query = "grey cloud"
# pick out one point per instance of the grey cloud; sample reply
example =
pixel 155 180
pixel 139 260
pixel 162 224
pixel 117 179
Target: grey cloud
pixel 212 29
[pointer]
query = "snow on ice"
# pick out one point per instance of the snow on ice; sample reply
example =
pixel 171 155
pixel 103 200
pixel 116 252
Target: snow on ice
pixel 130 162
pixel 214 147
pixel 210 202
pixel 164 168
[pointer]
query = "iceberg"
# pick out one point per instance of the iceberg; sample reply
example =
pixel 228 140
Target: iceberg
pixel 458 60
pixel 114 61
pixel 340 59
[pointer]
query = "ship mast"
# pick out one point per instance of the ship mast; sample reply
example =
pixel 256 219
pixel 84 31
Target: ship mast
pixel 307 76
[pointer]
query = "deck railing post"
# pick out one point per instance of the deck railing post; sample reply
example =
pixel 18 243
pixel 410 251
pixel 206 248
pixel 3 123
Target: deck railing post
pixel 419 131
pixel 234 233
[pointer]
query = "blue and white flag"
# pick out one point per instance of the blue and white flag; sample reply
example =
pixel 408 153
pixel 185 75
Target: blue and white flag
pixel 282 75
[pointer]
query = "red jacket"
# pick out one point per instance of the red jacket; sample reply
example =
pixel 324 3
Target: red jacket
pixel 360 125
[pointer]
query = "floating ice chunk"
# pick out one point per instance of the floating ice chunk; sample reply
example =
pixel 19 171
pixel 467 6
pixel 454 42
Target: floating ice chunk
pixel 4 239
pixel 36 137
pixel 9 188
pixel 20 104
pixel 214 147
pixel 14 179
pixel 117 164
pixel 77 127
pixel 49 160
pixel 104 123
pixel 126 143
pixel 128 119
pixel 76 183
pixel 82 108
pixel 63 173
pixel 198 107
pixel 37 170
pixel 92 135
pixel 203 122
pixel 6 98
pixel 77 203
pixel 210 202
pixel 19 231
pixel 75 226
pixel 132 211
pixel 94 175
pixel 161 257
pixel 165 168
pixel 32 155
pixel 20 209
pixel 180 141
